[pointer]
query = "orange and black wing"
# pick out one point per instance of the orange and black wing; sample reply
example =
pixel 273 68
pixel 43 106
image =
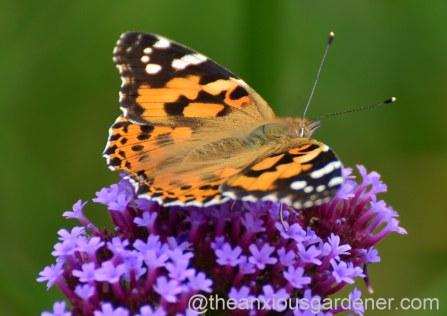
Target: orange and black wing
pixel 174 100
pixel 161 78
pixel 304 176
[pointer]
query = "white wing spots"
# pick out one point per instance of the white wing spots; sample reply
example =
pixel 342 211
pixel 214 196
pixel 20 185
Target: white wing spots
pixel 271 197
pixel 287 200
pixel 124 110
pixel 298 185
pixel 216 201
pixel 230 194
pixel 335 181
pixel 325 170
pixel 153 69
pixel 188 60
pixel 321 188
pixel 124 81
pixel 147 50
pixel 324 147
pixel 249 198
pixel 162 43
pixel 308 189
pixel 145 59
pixel 297 205
pixel 308 204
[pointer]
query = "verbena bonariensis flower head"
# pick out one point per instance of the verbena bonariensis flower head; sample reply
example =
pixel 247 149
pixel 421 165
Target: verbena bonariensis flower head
pixel 156 258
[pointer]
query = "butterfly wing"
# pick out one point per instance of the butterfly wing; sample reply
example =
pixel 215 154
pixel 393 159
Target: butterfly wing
pixel 174 100
pixel 162 80
pixel 302 176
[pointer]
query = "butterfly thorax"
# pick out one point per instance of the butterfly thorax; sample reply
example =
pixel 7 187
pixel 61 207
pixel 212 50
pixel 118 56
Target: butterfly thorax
pixel 286 130
pixel 281 133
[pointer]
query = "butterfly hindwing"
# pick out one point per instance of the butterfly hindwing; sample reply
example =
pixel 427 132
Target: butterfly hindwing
pixel 303 176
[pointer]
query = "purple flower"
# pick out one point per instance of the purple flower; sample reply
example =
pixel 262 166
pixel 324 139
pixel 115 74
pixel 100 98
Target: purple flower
pixel 153 243
pixel 84 291
pixel 59 309
pixel 273 300
pixel 333 248
pixel 294 231
pixel 227 256
pixel 199 282
pixel 179 270
pixel 261 257
pixel 118 246
pixel 76 212
pixel 252 223
pixel 296 277
pixel 87 272
pixel 246 267
pixel 147 310
pixel 146 220
pixel 51 274
pixel 73 235
pixel 345 272
pixel 133 262
pixel 309 255
pixel 370 255
pixel 356 302
pixel 155 258
pixel 286 258
pixel 90 246
pixel 179 255
pixel 117 196
pixel 242 293
pixel 218 242
pixel 108 310
pixel 109 272
pixel 168 289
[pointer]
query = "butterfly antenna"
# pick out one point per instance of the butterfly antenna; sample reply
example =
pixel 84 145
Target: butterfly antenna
pixel 309 100
pixel 357 109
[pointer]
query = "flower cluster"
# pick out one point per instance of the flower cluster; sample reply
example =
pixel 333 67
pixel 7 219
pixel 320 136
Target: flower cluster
pixel 156 258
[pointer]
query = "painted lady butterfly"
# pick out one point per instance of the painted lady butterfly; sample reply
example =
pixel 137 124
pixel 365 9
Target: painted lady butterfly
pixel 193 133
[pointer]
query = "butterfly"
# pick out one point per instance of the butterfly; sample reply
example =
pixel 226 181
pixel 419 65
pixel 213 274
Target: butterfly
pixel 192 133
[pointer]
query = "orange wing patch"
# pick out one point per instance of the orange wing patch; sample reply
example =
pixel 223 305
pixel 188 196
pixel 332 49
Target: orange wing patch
pixel 185 96
pixel 133 148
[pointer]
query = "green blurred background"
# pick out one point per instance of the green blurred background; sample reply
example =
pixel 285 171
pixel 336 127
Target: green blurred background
pixel 59 94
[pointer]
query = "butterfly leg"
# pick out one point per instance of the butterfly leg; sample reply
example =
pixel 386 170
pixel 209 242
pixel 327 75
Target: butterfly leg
pixel 284 224
pixel 232 205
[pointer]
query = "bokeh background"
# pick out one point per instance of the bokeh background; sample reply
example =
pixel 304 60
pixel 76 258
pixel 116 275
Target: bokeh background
pixel 59 94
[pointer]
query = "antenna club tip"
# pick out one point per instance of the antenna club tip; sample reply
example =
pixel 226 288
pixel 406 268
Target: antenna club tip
pixel 390 100
pixel 331 37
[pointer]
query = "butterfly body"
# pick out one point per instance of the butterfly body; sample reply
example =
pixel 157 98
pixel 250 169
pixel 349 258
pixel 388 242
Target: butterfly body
pixel 192 133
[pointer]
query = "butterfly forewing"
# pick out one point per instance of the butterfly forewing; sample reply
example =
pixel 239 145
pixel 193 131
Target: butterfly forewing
pixel 161 78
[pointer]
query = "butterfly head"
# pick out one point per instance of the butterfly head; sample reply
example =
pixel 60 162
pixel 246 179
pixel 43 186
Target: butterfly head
pixel 302 127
